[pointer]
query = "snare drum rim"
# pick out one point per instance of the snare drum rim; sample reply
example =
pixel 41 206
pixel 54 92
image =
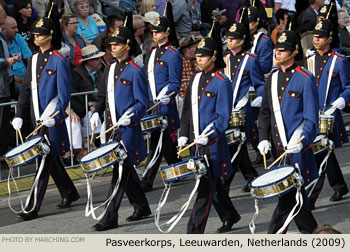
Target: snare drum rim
pixel 278 181
pixel 109 143
pixel 25 150
pixel 178 177
pixel 195 158
pixel 149 117
pixel 274 195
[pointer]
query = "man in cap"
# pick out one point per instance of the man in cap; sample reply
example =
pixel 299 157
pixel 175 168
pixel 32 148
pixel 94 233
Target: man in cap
pixel 207 108
pixel 332 72
pixel 288 112
pixel 163 66
pixel 41 96
pixel 243 71
pixel 126 105
pixel 262 44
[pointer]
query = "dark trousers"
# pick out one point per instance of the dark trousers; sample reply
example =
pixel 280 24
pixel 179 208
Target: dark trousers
pixel 241 162
pixel 334 175
pixel 168 151
pixel 5 114
pixel 130 184
pixel 54 167
pixel 304 220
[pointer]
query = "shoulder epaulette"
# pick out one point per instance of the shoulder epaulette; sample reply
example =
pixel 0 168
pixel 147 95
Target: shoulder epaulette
pixel 339 56
pixel 263 37
pixel 133 64
pixel 251 55
pixel 171 49
pixel 303 71
pixel 218 74
pixel 57 53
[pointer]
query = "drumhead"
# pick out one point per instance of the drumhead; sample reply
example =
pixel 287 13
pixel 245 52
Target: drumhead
pixel 319 138
pixel 273 176
pixel 326 117
pixel 149 117
pixel 180 163
pixel 100 151
pixel 24 147
pixel 228 132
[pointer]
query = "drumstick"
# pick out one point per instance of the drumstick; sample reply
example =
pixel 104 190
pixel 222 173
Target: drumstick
pixel 114 126
pixel 41 125
pixel 20 134
pixel 194 142
pixel 264 157
pixel 92 135
pixel 178 154
pixel 157 103
pixel 285 153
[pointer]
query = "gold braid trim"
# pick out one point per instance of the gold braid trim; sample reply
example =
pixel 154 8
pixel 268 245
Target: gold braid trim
pixel 288 58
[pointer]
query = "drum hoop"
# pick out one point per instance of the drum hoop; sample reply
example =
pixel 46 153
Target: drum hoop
pixel 195 158
pixel 281 192
pixel 25 150
pixel 278 181
pixel 106 153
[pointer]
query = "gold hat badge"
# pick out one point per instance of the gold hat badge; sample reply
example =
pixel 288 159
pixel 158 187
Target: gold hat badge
pixel 282 38
pixel 40 23
pixel 115 33
pixel 201 44
pixel 323 9
pixel 318 26
pixel 157 22
pixel 233 28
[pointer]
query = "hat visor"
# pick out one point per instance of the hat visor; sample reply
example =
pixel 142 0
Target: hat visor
pixel 321 34
pixel 201 53
pixel 283 47
pixel 99 55
pixel 233 35
pixel 157 29
pixel 117 40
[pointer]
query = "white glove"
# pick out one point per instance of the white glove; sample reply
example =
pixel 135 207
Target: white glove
pixel 95 120
pixel 202 140
pixel 49 122
pixel 164 100
pixel 182 141
pixel 339 103
pixel 309 53
pixel 17 123
pixel 264 146
pixel 256 102
pixel 124 121
pixel 295 148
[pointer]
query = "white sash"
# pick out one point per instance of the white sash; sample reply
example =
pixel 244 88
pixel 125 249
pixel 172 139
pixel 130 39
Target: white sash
pixel 311 64
pixel 238 82
pixel 150 72
pixel 228 67
pixel 278 115
pixel 331 69
pixel 195 108
pixel 255 43
pixel 110 93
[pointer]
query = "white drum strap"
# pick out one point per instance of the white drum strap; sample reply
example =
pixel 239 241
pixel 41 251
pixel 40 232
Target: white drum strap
pixel 150 72
pixel 195 107
pixel 251 223
pixel 34 86
pixel 162 92
pixel 256 40
pixel 331 69
pixel 237 84
pixel 90 209
pixel 156 153
pixel 33 188
pixel 311 64
pixel 227 69
pixel 176 218
pixel 110 93
pixel 241 142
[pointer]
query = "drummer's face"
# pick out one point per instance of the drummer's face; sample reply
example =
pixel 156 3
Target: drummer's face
pixel 233 42
pixel 281 55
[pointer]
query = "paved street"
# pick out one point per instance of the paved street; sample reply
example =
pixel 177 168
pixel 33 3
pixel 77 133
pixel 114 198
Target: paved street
pixel 73 221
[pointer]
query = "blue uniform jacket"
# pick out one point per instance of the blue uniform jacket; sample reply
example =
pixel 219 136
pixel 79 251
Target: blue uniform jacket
pixel 130 91
pixel 252 76
pixel 339 87
pixel 55 79
pixel 299 102
pixel 264 53
pixel 215 105
pixel 167 70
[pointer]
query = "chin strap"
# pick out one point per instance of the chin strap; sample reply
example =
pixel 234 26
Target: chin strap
pixel 204 66
pixel 235 46
pixel 288 58
pixel 43 41
pixel 319 46
pixel 115 54
pixel 162 37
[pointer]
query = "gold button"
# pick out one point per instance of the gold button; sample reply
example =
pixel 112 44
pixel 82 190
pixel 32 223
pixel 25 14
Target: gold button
pixel 45 60
pixel 202 88
pixel 282 88
pixel 213 74
pixel 275 125
pixel 287 79
pixel 49 72
pixel 199 97
pixel 318 76
pixel 38 75
pixel 208 95
pixel 235 66
pixel 239 60
pixel 157 59
pixel 207 81
pixel 161 52
pixel 124 82
pixel 41 67
pixel 278 144
pixel 166 47
pixel 50 53
pixel 293 71
pixel 126 63
pixel 276 135
pixel 116 77
pixel 279 97
pixel 329 54
pixel 324 61
pixel 293 94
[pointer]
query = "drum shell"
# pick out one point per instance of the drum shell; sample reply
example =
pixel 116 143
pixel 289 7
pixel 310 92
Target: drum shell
pixel 318 146
pixel 326 124
pixel 237 119
pixel 252 96
pixel 231 136
pixel 26 156
pixel 152 122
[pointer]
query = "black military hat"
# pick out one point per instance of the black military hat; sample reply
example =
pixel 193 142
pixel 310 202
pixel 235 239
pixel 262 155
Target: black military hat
pixel 287 41
pixel 161 24
pixel 44 26
pixel 206 47
pixel 236 31
pixel 323 28
pixel 253 14
pixel 122 35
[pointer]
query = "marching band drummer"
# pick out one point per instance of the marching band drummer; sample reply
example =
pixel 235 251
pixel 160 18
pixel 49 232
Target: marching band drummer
pixel 244 72
pixel 129 96
pixel 289 110
pixel 163 66
pixel 53 78
pixel 207 107
pixel 320 62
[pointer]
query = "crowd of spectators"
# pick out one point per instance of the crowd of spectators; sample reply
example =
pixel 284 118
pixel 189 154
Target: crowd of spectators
pixel 87 24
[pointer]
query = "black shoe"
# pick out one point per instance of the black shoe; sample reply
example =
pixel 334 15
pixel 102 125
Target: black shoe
pixel 65 202
pixel 337 196
pixel 102 226
pixel 28 216
pixel 227 225
pixel 246 188
pixel 138 216
pixel 146 187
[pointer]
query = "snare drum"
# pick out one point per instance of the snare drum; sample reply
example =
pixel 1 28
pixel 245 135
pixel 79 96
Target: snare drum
pixel 26 152
pixel 275 182
pixel 103 157
pixel 237 119
pixel 326 123
pixel 252 95
pixel 153 122
pixel 321 144
pixel 183 169
pixel 233 136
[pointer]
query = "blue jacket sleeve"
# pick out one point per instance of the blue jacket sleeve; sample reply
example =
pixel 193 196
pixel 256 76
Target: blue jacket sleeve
pixel 344 75
pixel 140 95
pixel 257 77
pixel 175 74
